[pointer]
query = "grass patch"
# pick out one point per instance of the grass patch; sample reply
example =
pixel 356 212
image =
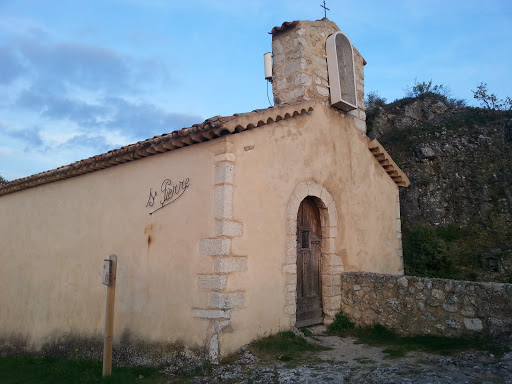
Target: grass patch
pixel 365 360
pixel 397 346
pixel 341 325
pixel 187 378
pixel 284 346
pixel 30 370
pixel 306 332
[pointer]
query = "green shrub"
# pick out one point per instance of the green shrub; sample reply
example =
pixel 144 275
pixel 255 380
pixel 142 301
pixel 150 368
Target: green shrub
pixel 426 88
pixel 454 252
pixel 341 325
pixel 426 253
pixel 373 101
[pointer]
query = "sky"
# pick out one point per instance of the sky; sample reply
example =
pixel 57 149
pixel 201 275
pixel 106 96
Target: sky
pixel 79 77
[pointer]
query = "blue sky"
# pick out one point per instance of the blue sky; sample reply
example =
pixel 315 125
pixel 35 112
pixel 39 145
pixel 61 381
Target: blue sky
pixel 78 77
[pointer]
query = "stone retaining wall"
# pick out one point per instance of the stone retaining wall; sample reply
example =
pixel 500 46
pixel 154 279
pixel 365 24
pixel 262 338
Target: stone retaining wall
pixel 414 305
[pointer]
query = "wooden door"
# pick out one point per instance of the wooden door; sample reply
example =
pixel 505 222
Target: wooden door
pixel 309 284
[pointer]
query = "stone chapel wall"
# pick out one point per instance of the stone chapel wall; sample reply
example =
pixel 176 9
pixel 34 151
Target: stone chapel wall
pixel 320 151
pixel 416 305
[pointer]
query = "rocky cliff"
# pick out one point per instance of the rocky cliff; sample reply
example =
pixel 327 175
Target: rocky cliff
pixel 459 161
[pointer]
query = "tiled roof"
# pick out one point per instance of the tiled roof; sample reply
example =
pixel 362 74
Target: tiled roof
pixel 208 130
pixel 398 176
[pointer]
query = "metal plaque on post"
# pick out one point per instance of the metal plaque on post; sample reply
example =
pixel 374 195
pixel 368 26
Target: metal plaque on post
pixel 109 279
pixel 107 272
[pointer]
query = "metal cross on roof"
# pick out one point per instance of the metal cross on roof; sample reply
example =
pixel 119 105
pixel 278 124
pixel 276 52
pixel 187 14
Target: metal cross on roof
pixel 325 9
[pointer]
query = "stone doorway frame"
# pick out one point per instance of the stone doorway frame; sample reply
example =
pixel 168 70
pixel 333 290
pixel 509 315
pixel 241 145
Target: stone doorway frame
pixel 331 266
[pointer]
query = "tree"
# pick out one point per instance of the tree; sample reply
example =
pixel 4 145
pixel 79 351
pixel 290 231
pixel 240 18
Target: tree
pixel 426 88
pixel 490 100
pixel 374 101
pixel 440 92
pixel 3 181
pixel 373 104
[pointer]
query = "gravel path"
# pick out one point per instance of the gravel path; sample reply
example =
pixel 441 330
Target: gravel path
pixel 348 362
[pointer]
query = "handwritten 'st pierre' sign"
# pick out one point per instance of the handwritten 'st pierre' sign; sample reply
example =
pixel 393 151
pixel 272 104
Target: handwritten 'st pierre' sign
pixel 169 193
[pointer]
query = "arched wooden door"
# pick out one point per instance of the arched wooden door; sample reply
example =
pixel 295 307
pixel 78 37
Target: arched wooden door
pixel 309 284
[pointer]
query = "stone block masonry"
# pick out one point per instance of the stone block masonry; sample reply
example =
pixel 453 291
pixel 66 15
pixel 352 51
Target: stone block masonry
pixel 300 67
pixel 331 266
pixel 218 248
pixel 415 305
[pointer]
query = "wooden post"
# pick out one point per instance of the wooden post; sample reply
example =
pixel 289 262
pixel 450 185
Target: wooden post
pixel 111 264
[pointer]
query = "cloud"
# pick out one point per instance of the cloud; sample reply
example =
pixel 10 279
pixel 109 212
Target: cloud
pixel 68 100
pixel 31 138
pixel 61 124
pixel 11 66
pixel 84 143
pixel 144 119
pixel 58 106
pixel 137 120
pixel 53 65
pixel 80 123
pixel 87 66
pixel 55 142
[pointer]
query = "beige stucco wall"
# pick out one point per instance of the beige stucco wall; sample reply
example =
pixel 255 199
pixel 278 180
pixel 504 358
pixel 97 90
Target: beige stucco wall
pixel 53 239
pixel 326 149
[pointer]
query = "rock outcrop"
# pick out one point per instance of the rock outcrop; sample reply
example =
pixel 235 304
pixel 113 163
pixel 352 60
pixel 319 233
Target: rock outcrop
pixel 459 162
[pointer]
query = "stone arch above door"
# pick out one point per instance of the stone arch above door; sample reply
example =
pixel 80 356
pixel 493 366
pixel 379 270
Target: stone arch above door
pixel 331 264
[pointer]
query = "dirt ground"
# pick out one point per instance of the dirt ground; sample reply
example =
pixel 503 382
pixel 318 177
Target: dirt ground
pixel 350 362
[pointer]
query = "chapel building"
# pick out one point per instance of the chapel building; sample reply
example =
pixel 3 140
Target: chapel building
pixel 225 231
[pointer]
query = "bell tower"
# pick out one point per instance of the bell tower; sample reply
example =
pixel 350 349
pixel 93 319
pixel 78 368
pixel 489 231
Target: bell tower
pixel 313 60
